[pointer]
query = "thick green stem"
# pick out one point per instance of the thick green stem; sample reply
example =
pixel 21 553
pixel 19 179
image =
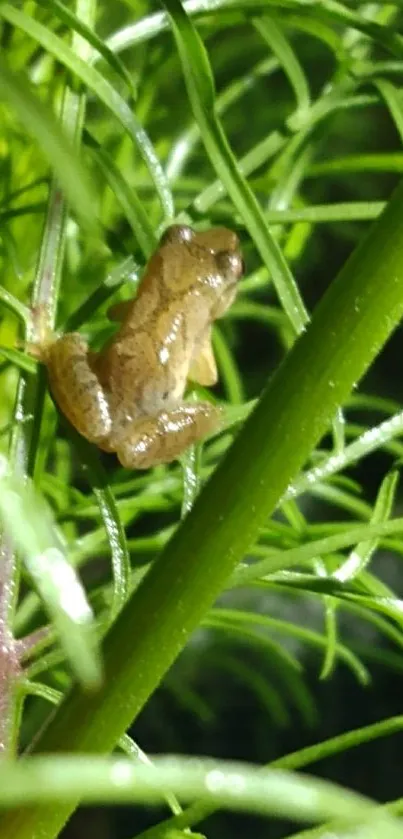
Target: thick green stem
pixel 350 325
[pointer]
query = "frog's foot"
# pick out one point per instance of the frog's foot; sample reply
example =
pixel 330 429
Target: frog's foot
pixel 161 439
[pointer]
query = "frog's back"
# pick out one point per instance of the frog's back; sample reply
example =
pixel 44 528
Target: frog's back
pixel 145 367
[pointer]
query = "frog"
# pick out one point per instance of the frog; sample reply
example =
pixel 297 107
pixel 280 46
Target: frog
pixel 129 397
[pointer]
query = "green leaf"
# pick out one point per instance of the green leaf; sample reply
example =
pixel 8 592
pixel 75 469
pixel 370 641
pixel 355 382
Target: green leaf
pixel 28 523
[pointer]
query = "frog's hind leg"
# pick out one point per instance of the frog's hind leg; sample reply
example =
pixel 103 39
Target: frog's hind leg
pixel 161 439
pixel 76 389
pixel 119 311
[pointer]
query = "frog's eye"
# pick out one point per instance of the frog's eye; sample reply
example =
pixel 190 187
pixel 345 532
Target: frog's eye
pixel 230 263
pixel 177 233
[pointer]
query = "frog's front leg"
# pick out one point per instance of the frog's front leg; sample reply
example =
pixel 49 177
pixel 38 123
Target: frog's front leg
pixel 203 369
pixel 75 387
pixel 150 441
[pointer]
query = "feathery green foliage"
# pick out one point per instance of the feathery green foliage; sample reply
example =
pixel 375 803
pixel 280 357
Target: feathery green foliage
pixel 282 120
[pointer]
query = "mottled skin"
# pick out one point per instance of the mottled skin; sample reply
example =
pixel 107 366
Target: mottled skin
pixel 128 398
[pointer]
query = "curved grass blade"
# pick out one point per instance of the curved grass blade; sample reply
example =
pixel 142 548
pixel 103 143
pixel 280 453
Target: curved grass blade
pixel 125 271
pixel 229 373
pixel 15 306
pixel 259 684
pixel 328 12
pixel 253 159
pixel 239 618
pixel 126 195
pixel 235 786
pixel 294 760
pixel 119 553
pixel 16 193
pixel 362 554
pixel 114 528
pixel 330 656
pixel 73 22
pixel 186 142
pixel 321 31
pixel 48 275
pixel 285 666
pixel 272 33
pixel 60 153
pixel 103 90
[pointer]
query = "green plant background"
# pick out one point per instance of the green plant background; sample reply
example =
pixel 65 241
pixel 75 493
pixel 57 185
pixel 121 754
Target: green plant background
pixel 283 121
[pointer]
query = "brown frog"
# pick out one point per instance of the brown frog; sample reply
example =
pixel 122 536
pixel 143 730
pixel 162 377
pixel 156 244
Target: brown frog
pixel 128 398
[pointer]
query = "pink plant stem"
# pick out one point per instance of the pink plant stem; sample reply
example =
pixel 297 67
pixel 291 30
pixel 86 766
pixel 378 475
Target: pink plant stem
pixel 25 645
pixel 10 670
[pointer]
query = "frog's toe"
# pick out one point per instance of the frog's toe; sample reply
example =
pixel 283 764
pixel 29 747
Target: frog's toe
pixel 141 448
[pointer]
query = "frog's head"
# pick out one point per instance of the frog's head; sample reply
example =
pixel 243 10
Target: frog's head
pixel 216 258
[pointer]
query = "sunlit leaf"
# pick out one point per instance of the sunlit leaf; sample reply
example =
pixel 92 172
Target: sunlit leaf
pixel 29 524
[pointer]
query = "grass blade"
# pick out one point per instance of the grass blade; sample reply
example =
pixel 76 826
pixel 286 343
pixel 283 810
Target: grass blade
pixel 115 531
pixel 61 155
pixel 230 785
pixel 362 554
pixel 272 33
pixel 103 90
pixel 76 24
pixel 126 196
